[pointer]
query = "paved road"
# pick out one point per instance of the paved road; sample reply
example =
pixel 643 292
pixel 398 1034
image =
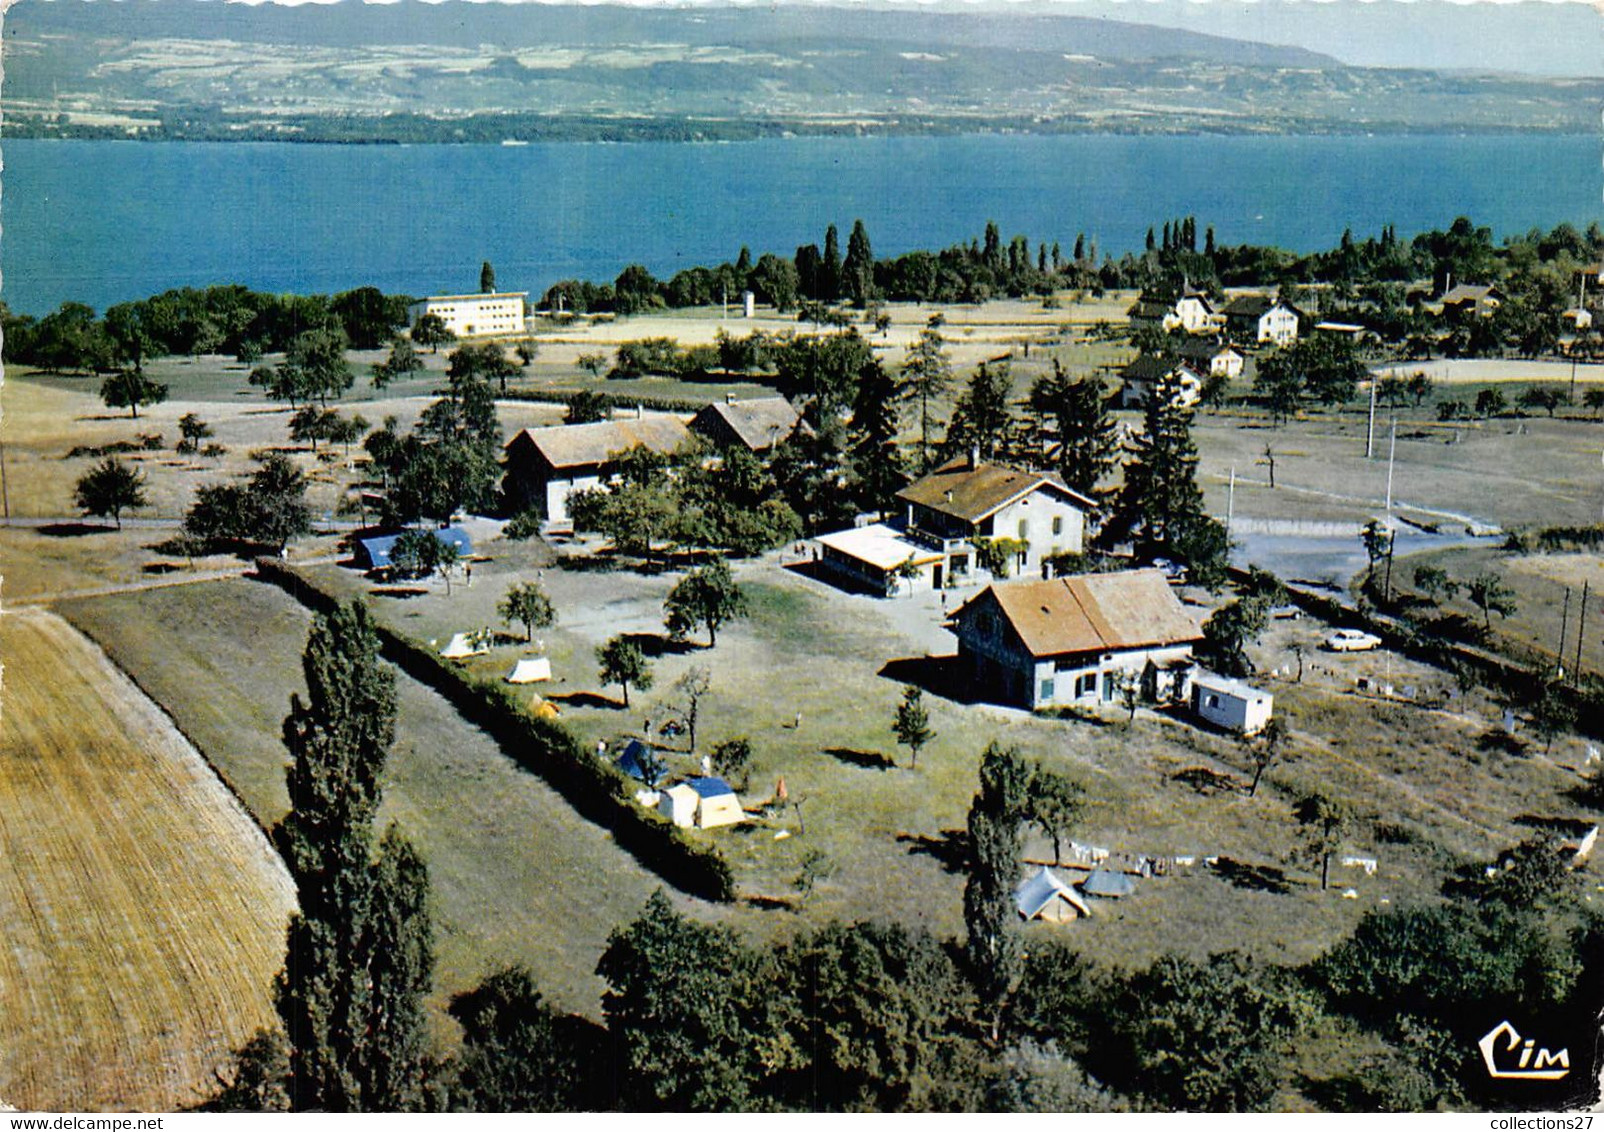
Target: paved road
pixel 1331 559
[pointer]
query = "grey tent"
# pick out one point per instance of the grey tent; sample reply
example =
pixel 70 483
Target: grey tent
pixel 1108 884
pixel 1046 896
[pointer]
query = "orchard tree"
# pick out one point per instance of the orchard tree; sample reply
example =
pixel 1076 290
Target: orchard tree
pixel 1325 823
pixel 431 330
pixel 689 692
pixel 732 761
pixel 417 554
pixel 623 663
pixel 110 488
pixel 1488 593
pixel 707 596
pixel 1056 803
pixel 193 430
pixel 269 509
pixel 402 361
pixel 527 604
pixel 130 389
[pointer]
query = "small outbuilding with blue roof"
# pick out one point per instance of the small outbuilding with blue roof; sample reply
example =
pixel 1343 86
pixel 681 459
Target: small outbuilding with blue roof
pixel 374 553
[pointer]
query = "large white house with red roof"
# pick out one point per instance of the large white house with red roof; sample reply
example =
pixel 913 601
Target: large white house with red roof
pixel 1077 639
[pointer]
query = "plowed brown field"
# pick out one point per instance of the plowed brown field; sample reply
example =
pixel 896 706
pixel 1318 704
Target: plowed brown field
pixel 142 912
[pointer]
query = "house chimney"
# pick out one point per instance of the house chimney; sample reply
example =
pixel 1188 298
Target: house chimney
pixel 729 398
pixel 974 457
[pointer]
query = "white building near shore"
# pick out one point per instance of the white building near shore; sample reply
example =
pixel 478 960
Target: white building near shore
pixel 475 316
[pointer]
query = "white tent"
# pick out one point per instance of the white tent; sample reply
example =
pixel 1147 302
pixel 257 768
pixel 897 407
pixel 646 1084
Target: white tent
pixel 460 648
pixel 1047 896
pixel 530 671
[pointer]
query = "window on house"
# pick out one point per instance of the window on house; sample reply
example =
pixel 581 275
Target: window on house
pixel 1058 524
pixel 1086 685
pixel 1024 528
pixel 1046 690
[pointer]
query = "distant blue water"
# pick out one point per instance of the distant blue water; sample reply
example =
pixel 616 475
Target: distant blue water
pixel 100 222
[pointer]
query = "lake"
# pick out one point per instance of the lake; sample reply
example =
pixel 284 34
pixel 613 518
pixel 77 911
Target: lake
pixel 104 221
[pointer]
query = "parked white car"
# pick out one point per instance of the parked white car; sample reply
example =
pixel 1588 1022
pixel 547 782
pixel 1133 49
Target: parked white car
pixel 1352 640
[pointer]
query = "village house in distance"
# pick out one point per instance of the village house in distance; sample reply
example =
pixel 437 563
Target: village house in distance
pixel 545 466
pixel 932 544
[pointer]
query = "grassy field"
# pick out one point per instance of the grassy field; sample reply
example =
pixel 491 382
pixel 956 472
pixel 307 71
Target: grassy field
pixel 1538 583
pixel 142 913
pixel 517 876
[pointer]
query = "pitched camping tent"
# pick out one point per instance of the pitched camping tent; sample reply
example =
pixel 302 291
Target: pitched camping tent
pixel 1108 884
pixel 1046 896
pixel 460 647
pixel 704 802
pixel 530 671
pixel 640 762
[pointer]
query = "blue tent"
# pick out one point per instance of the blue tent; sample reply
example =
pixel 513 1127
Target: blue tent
pixel 640 762
pixel 709 787
pixel 1107 883
pixel 374 553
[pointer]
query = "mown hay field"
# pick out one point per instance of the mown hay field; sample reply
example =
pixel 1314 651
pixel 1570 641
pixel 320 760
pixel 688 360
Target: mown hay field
pixel 142 912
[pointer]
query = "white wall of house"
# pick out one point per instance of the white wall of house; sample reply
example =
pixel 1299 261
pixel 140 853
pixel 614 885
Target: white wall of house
pixel 1085 680
pixel 1194 315
pixel 557 493
pixel 1278 325
pixel 1227 363
pixel 1049 524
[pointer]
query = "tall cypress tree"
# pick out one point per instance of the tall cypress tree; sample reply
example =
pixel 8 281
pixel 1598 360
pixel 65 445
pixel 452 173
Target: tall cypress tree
pixel 401 966
pixel 858 270
pixel 830 269
pixel 358 957
pixel 995 819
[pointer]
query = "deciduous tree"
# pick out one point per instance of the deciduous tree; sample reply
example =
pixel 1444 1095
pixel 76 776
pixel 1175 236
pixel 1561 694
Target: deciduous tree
pixel 707 596
pixel 623 663
pixel 528 604
pixel 110 488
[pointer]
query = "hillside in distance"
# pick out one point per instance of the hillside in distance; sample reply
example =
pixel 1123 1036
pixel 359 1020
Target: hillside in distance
pixel 457 71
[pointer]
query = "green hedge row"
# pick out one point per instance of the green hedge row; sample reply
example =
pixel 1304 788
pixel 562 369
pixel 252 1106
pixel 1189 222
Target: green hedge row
pixel 618 401
pixel 594 787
